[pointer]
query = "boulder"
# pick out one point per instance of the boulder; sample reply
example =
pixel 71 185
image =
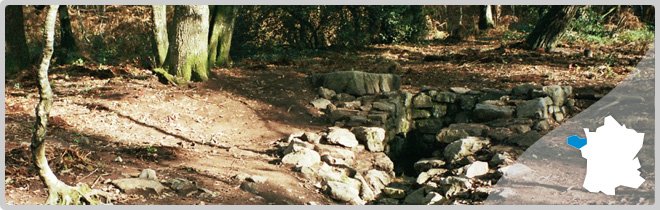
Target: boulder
pixel 357 82
pixel 463 148
pixel 475 169
pixel 341 136
pixel 320 103
pixel 302 158
pixel 372 137
pixel 138 185
pixel 487 112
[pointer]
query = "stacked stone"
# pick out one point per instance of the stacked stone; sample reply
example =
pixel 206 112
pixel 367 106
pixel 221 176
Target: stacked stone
pixel 330 160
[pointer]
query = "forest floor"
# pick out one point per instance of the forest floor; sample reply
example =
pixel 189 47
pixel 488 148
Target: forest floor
pixel 210 132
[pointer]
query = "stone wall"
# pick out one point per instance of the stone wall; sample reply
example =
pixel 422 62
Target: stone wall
pixel 445 146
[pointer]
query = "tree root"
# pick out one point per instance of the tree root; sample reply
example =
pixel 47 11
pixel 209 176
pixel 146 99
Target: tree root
pixel 166 77
pixel 81 194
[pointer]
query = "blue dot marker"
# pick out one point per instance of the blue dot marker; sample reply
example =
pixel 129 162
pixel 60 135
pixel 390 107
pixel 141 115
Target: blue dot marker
pixel 576 141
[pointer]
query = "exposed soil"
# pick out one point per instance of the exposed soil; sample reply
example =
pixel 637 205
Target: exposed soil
pixel 210 132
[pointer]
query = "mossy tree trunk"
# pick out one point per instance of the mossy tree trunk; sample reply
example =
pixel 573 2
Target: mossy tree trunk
pixel 486 18
pixel 58 191
pixel 17 56
pixel 550 27
pixel 67 49
pixel 187 57
pixel 222 28
pixel 160 38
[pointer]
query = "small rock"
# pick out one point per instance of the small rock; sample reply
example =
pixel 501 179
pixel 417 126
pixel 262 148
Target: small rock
pixel 425 176
pixel 377 180
pixel 383 106
pixel 557 94
pixel 341 136
pixel 372 137
pixel 148 174
pixel 320 103
pixel 118 159
pixel 428 163
pixel 501 158
pixel 486 112
pixel 526 139
pixel 312 137
pixel 433 198
pixel 393 192
pixel 416 197
pixel 422 101
pixel 345 155
pixel 515 170
pixel 344 192
pixel 344 97
pixel 388 201
pixel 452 185
pixel 297 145
pixel 460 90
pixel 445 97
pixel 383 162
pixel 138 185
pixel 326 93
pixel 182 186
pixel 535 108
pixel 257 179
pixel 475 169
pixel 420 114
pixel 463 148
pixel 304 157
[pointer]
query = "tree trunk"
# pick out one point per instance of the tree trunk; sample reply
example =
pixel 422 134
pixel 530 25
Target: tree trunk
pixel 550 27
pixel 160 39
pixel 187 58
pixel 498 13
pixel 67 49
pixel 222 28
pixel 486 17
pixel 17 56
pixel 58 191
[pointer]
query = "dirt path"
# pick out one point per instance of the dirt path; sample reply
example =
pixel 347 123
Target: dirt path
pixel 207 134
